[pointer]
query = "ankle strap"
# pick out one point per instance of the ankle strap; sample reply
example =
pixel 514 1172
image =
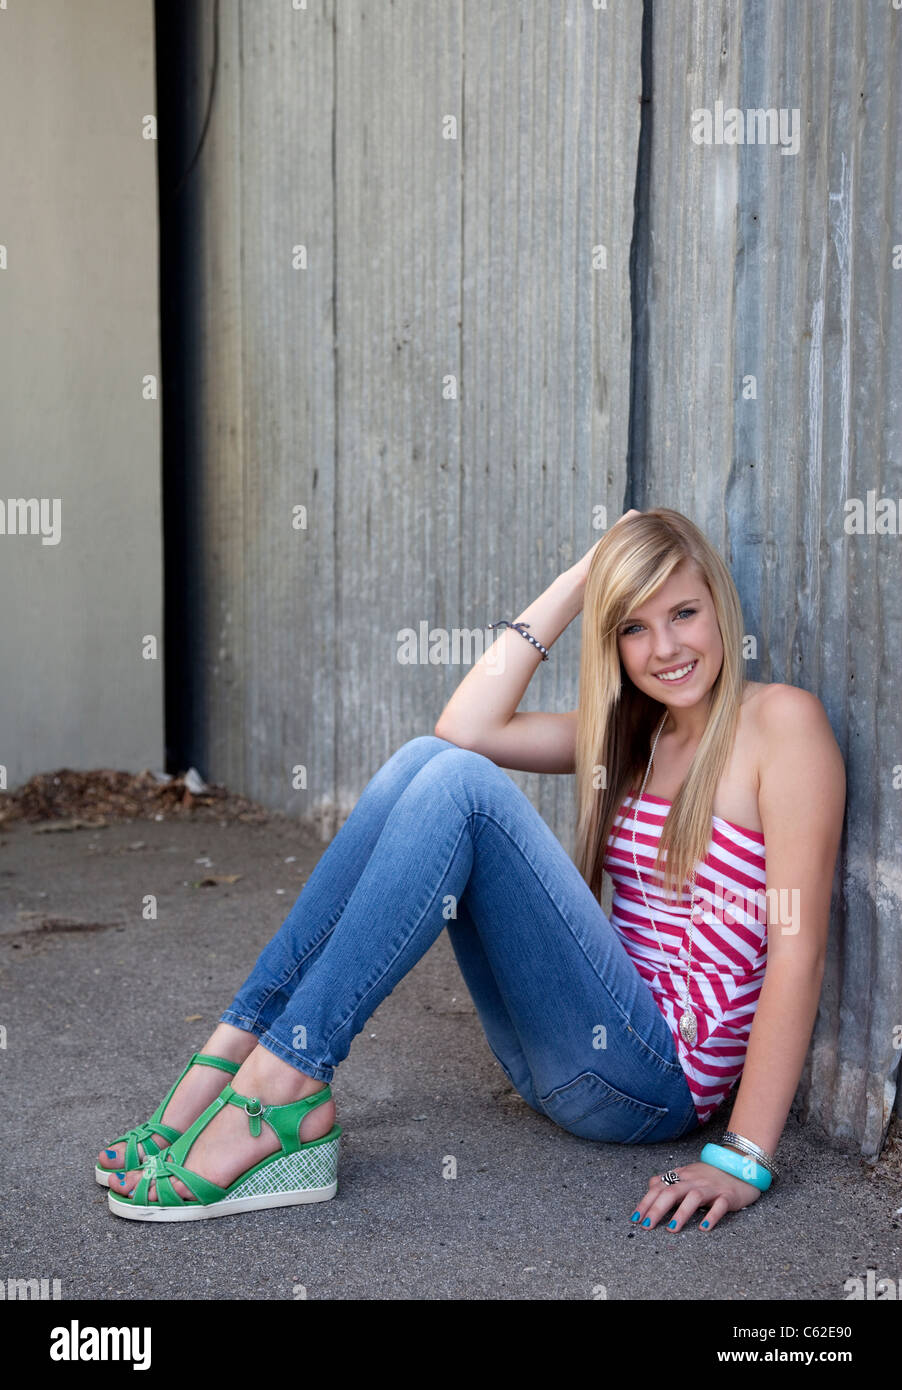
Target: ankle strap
pixel 208 1061
pixel 284 1119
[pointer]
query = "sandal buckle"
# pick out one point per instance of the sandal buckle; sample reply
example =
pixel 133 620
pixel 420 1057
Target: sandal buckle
pixel 255 1124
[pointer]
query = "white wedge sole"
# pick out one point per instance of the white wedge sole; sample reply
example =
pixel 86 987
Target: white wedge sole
pixel 287 1180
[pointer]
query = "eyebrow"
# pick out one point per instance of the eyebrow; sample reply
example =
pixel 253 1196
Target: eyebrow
pixel 681 604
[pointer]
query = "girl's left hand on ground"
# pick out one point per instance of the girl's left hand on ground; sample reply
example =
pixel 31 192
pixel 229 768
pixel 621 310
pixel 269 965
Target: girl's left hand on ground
pixel 701 1185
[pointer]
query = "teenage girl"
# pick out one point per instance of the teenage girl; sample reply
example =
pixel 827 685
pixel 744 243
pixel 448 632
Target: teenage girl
pixel 715 804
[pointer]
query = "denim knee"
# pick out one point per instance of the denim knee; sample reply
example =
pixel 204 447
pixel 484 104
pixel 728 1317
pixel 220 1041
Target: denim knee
pixel 411 757
pixel 466 759
pixel 426 743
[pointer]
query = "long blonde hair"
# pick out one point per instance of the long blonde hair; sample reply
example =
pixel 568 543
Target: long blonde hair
pixel 616 720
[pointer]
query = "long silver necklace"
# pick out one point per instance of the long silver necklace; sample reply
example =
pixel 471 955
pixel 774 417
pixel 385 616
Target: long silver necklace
pixel 688 1024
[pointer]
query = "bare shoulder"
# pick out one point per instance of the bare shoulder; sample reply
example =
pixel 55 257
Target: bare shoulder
pixel 794 732
pixel 801 800
pixel 777 706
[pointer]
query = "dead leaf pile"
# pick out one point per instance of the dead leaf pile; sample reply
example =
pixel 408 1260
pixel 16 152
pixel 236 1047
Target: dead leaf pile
pixel 99 796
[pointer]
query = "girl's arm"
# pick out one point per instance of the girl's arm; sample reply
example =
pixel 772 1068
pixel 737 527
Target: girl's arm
pixel 481 713
pixel 801 798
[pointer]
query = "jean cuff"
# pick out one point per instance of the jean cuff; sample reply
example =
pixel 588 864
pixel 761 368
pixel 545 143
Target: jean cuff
pixel 247 1025
pixel 296 1059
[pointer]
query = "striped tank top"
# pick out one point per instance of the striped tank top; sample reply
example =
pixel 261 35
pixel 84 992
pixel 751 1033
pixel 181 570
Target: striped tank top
pixel 729 940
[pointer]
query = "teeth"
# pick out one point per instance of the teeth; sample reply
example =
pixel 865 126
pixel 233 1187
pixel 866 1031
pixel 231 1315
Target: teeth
pixel 675 675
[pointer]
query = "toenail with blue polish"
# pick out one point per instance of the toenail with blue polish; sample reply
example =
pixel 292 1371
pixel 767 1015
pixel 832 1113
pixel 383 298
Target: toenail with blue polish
pixel 635 1216
pixel 671 1225
pixel 647 1221
pixel 705 1224
pixel 110 1153
pixel 121 1177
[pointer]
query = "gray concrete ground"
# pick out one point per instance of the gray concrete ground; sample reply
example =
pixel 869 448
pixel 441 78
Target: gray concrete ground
pixel 102 1009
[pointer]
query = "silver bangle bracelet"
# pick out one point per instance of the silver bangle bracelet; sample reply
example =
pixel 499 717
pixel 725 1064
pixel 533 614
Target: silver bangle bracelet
pixel 753 1150
pixel 521 628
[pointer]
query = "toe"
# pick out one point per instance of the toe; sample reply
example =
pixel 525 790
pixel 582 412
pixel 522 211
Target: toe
pixel 177 1186
pixel 125 1183
pixel 111 1158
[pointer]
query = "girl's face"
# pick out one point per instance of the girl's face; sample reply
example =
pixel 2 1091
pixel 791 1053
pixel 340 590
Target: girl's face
pixel 676 629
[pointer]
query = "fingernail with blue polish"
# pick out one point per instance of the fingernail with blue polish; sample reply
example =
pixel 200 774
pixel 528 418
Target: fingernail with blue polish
pixel 635 1216
pixel 110 1153
pixel 671 1225
pixel 647 1221
pixel 705 1225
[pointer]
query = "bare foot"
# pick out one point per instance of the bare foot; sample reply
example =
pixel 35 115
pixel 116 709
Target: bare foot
pixel 226 1147
pixel 195 1091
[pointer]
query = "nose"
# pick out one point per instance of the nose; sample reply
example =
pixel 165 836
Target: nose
pixel 665 647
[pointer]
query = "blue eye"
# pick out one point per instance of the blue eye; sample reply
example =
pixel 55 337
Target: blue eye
pixel 625 632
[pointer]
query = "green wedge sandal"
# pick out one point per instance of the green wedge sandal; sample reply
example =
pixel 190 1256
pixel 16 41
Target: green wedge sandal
pixel 302 1172
pixel 142 1134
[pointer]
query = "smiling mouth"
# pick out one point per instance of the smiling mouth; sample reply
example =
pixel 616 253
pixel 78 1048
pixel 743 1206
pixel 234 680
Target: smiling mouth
pixel 680 673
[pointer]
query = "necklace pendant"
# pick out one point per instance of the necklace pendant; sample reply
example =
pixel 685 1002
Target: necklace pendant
pixel 688 1027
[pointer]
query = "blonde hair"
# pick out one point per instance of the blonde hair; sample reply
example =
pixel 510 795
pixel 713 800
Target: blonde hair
pixel 616 720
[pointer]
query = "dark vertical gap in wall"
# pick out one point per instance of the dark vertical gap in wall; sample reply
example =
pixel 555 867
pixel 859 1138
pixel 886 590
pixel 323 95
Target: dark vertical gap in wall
pixel 337 751
pixel 635 494
pixel 179 112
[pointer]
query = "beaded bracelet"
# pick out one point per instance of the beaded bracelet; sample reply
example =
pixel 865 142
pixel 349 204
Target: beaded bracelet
pixel 521 628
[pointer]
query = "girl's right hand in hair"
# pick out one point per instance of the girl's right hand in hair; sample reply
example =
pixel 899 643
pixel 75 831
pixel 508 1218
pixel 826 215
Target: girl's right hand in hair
pixel 580 570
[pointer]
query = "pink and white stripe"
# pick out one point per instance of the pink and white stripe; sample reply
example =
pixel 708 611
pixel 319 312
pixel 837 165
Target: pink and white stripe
pixel 729 940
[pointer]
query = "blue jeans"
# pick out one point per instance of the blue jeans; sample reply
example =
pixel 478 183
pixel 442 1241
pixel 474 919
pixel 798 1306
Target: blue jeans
pixel 443 837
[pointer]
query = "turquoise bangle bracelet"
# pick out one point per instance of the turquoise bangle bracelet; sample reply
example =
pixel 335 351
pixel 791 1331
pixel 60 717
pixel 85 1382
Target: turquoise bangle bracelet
pixel 738 1165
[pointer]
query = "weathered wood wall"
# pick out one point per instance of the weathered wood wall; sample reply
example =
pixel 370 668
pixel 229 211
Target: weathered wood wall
pixel 526 292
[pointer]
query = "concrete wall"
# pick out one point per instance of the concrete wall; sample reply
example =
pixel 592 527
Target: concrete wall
pixel 79 339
